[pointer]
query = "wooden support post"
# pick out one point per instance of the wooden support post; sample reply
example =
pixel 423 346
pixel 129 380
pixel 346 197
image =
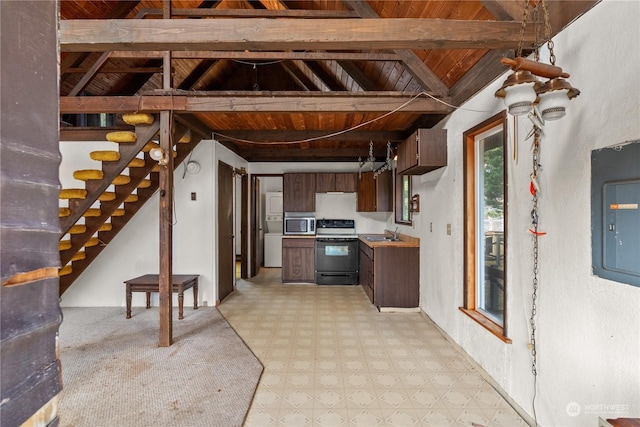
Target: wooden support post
pixel 166 209
pixel 166 233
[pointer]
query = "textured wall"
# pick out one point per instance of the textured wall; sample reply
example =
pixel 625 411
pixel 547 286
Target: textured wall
pixel 588 327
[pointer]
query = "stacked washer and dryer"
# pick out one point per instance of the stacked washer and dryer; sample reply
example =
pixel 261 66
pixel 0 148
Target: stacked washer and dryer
pixel 273 237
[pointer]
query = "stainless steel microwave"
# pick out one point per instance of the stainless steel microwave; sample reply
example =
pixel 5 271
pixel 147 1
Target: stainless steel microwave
pixel 299 224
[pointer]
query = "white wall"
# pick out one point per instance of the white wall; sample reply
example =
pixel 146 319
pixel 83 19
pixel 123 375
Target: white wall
pixel 135 251
pixel 588 329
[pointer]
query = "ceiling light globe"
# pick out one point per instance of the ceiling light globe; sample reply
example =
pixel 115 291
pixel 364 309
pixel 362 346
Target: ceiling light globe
pixel 519 98
pixel 156 154
pixel 553 105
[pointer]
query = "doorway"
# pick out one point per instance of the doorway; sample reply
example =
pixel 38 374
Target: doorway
pixel 261 184
pixel 226 255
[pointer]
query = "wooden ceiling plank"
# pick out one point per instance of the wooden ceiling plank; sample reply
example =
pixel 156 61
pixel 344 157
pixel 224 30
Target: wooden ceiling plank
pixel 427 78
pixel 288 34
pixel 257 102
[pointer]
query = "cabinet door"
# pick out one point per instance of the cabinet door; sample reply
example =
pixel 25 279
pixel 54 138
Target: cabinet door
pixel 425 150
pixel 366 193
pixel 325 182
pixel 384 192
pixel 366 270
pixel 298 260
pixel 375 194
pixel 299 192
pixel 347 182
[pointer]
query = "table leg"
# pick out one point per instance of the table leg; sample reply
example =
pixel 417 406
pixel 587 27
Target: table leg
pixel 180 302
pixel 148 299
pixel 195 295
pixel 128 301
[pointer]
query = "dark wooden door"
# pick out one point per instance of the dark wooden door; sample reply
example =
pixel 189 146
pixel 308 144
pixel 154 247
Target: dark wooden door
pixel 256 260
pixel 226 256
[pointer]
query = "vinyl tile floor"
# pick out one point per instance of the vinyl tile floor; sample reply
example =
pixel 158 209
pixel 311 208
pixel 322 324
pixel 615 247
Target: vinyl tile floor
pixel 331 359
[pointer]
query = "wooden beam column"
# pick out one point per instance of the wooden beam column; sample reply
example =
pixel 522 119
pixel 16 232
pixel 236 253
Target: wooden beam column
pixel 166 208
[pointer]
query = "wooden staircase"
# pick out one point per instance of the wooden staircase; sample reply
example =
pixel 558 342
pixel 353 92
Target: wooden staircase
pixel 127 179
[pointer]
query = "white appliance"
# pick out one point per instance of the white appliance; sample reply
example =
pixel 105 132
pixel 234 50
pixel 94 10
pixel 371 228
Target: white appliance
pixel 273 236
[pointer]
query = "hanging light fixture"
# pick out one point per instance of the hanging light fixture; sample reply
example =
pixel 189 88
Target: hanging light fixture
pixel 521 90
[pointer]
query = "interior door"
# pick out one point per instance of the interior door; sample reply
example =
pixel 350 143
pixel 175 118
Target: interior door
pixel 226 255
pixel 257 227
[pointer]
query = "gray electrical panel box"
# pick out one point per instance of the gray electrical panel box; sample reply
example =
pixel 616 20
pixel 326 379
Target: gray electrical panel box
pixel 615 213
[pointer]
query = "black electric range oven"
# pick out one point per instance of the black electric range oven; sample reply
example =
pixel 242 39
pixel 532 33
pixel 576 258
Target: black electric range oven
pixel 336 252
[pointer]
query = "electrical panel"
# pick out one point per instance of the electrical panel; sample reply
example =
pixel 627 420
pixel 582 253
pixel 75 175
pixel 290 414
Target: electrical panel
pixel 615 213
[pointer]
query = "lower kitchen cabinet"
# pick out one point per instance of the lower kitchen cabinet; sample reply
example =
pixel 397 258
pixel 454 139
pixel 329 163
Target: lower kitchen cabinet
pixel 298 260
pixel 390 275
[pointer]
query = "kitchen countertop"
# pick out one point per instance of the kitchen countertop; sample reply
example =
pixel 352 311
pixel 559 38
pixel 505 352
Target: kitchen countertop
pixel 405 241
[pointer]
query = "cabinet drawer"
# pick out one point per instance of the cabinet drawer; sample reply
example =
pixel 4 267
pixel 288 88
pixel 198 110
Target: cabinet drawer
pixel 368 251
pixel 299 243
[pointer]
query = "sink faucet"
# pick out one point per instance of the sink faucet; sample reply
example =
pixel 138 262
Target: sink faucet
pixel 396 236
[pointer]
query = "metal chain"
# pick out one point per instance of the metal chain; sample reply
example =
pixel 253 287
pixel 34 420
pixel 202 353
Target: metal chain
pixel 534 221
pixel 524 24
pixel 547 33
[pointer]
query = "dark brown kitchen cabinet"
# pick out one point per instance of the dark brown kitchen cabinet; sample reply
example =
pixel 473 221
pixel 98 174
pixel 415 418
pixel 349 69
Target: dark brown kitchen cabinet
pixel 299 192
pixel 424 151
pixel 342 182
pixel 390 275
pixel 298 260
pixel 375 194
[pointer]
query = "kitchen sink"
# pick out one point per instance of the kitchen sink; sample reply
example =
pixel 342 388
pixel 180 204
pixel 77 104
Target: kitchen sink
pixel 381 239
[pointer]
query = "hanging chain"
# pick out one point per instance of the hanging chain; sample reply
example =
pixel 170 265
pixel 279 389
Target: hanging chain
pixel 536 234
pixel 525 15
pixel 547 33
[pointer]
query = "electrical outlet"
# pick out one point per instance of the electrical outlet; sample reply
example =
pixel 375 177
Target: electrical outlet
pixel 431 227
pixel 449 229
pixel 193 196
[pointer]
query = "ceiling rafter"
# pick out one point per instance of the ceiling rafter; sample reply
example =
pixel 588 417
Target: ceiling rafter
pixel 414 64
pixel 255 102
pixel 288 34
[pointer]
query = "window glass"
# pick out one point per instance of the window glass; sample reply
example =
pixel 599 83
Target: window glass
pixel 403 198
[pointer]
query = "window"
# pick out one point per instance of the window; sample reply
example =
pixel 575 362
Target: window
pixel 403 198
pixel 485 212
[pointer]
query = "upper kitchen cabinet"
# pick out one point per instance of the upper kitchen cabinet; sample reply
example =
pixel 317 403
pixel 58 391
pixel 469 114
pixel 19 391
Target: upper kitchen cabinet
pixel 338 182
pixel 299 192
pixel 375 194
pixel 425 150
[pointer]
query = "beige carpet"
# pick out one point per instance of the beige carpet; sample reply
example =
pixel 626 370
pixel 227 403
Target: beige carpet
pixel 114 373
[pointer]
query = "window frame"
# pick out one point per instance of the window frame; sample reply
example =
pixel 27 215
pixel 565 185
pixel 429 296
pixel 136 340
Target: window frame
pixel 470 229
pixel 399 198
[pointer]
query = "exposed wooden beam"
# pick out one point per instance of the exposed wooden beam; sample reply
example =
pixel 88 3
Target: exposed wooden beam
pixel 256 102
pixel 276 136
pixel 117 70
pixel 505 10
pixel 483 73
pixel 357 75
pixel 301 74
pixel 260 55
pixel 253 13
pixel 414 64
pixel 326 77
pixel 288 34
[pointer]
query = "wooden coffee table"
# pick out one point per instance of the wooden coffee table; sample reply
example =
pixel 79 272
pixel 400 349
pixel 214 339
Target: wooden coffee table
pixel 151 282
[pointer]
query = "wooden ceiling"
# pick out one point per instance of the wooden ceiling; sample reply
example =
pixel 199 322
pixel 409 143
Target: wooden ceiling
pixel 282 80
